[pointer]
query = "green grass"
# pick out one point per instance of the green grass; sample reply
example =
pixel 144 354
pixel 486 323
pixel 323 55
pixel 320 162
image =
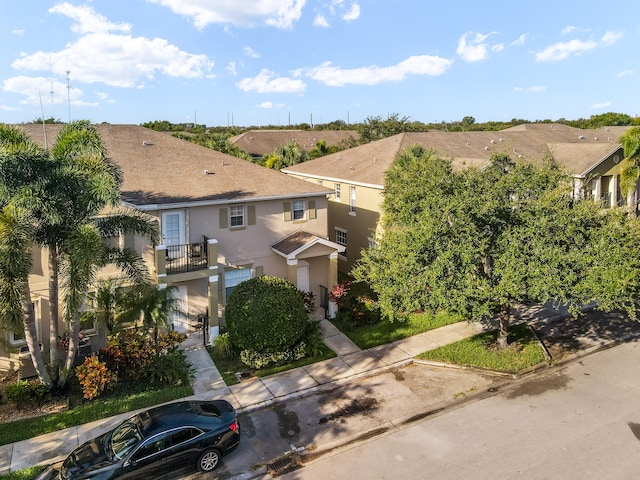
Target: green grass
pixel 367 336
pixel 228 367
pixel 88 412
pixel 24 474
pixel 481 351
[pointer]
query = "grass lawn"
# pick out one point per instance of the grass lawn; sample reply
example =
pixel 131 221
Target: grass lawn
pixel 24 474
pixel 367 336
pixel 88 412
pixel 481 351
pixel 228 367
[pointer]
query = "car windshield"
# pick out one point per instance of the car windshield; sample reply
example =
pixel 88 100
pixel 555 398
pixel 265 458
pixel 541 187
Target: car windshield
pixel 124 438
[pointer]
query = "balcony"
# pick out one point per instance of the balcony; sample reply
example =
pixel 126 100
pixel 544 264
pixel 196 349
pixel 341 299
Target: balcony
pixel 188 261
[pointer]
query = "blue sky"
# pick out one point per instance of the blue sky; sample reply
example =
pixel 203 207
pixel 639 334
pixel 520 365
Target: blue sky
pixel 259 62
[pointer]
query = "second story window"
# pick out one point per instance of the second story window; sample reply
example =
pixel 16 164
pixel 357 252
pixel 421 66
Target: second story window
pixel 297 208
pixel 236 216
pixel 341 239
pixel 352 199
pixel 337 190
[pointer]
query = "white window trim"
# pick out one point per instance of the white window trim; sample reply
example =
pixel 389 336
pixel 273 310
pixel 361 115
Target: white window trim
pixel 294 210
pixel 244 216
pixel 352 200
pixel 342 255
pixel 337 190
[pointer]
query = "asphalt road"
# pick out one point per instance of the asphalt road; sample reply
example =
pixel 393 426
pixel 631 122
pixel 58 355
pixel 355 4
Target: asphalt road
pixel 581 421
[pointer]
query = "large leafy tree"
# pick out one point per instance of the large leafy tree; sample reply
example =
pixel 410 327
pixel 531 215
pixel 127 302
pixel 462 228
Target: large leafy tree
pixel 284 156
pixel 480 240
pixel 64 190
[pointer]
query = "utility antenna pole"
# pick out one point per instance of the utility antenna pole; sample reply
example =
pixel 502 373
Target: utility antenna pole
pixel 69 94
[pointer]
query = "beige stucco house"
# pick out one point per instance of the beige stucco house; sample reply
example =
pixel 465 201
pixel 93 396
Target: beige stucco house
pixel 223 220
pixel 356 175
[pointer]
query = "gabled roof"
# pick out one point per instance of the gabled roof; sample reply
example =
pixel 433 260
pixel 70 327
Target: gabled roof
pixel 299 242
pixel 577 151
pixel 261 142
pixel 161 171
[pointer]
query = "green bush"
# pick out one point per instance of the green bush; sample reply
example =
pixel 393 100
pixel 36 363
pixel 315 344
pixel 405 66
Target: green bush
pixel 267 315
pixel 222 346
pixel 94 377
pixel 24 392
pixel 260 360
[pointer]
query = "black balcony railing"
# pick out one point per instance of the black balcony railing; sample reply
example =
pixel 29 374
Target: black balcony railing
pixel 187 258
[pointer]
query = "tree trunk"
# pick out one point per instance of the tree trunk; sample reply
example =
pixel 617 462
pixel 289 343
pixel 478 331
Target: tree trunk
pixel 503 326
pixel 31 336
pixel 74 331
pixel 54 355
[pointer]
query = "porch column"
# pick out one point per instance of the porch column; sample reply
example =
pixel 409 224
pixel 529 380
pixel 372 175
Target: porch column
pixel 332 281
pixel 292 271
pixel 597 194
pixel 212 259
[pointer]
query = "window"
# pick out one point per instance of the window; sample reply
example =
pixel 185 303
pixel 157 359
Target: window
pixel 233 278
pixel 298 209
pixel 337 190
pixel 19 338
pixel 236 216
pixel 352 199
pixel 341 239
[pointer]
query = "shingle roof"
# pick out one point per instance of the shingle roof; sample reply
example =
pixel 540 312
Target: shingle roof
pixel 294 242
pixel 160 169
pixel 577 151
pixel 260 142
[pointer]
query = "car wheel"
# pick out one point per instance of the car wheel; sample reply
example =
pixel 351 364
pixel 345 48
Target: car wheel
pixel 209 460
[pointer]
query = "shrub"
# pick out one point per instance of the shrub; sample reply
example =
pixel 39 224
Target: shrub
pixel 266 314
pixel 94 377
pixel 170 368
pixel 24 392
pixel 222 346
pixel 258 360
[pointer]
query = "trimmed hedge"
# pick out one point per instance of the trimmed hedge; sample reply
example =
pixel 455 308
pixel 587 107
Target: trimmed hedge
pixel 267 315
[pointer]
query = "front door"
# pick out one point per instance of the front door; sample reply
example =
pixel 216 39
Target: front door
pixel 180 323
pixel 302 279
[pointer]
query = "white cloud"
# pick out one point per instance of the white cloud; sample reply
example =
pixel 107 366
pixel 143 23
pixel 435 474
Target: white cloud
pixel 17 31
pixel 269 105
pixel 572 29
pixel 352 14
pixel 113 59
pixel 37 89
pixel 250 52
pixel 533 89
pixel 610 38
pixel 519 41
pixel 498 47
pixel 624 73
pixel 562 50
pixel 275 13
pixel 102 95
pixel 231 68
pixel 373 75
pixel 320 21
pixel 598 106
pixel 267 82
pixel 88 21
pixel 6 108
pixel 474 50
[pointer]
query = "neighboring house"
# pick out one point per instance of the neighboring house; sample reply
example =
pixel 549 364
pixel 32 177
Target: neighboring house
pixel 258 143
pixel 223 220
pixel 357 175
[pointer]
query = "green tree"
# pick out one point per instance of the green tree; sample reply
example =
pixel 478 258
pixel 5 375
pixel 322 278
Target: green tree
pixel 155 305
pixel 285 156
pixel 477 242
pixel 64 190
pixel 376 128
pixel 629 168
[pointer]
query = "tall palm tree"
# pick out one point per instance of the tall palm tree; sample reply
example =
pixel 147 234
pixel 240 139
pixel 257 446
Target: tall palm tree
pixel 630 168
pixel 65 190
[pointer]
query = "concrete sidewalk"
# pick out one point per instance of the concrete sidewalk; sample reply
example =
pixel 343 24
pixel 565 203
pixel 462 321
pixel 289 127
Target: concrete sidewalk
pixel 350 364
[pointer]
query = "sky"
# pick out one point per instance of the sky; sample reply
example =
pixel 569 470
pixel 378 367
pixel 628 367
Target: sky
pixel 282 62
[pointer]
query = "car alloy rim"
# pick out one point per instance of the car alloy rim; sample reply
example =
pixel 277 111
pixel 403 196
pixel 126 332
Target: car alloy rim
pixel 209 461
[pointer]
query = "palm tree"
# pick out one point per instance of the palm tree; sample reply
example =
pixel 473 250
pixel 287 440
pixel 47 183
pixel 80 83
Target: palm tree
pixel 156 305
pixel 629 167
pixel 65 190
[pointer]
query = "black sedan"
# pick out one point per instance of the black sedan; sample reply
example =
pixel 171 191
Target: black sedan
pixel 152 442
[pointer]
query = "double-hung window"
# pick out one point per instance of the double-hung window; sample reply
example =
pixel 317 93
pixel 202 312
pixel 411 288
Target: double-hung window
pixel 337 190
pixel 297 208
pixel 341 239
pixel 236 216
pixel 352 199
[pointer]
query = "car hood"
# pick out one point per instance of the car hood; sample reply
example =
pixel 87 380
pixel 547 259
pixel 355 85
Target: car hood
pixel 88 457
